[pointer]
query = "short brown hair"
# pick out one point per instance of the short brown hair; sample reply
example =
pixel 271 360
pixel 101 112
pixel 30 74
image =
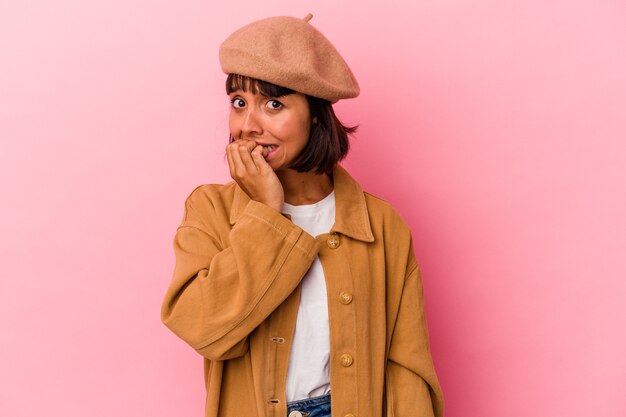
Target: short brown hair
pixel 328 140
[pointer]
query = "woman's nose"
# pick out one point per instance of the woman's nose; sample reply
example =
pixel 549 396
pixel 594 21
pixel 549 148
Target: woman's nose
pixel 251 123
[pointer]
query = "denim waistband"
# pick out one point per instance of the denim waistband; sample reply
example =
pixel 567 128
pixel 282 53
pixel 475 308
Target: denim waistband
pixel 309 402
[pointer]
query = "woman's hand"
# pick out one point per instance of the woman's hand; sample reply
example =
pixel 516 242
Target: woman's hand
pixel 253 174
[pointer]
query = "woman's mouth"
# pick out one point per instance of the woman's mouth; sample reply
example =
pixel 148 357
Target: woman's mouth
pixel 270 149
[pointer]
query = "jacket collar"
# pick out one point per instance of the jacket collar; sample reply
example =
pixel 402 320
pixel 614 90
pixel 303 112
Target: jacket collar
pixel 351 215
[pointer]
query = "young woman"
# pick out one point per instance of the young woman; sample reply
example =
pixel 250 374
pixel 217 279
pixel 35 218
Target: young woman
pixel 292 282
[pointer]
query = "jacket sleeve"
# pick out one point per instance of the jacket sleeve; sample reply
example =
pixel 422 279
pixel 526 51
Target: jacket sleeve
pixel 219 295
pixel 411 384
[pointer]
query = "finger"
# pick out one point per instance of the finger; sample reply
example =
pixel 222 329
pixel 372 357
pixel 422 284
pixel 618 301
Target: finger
pixel 258 154
pixel 251 144
pixel 231 163
pixel 238 168
pixel 246 158
pixel 238 165
pixel 259 149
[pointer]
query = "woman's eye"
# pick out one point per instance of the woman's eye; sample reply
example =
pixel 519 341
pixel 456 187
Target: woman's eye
pixel 238 102
pixel 274 104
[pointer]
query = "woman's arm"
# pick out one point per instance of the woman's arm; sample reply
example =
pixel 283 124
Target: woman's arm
pixel 412 387
pixel 219 295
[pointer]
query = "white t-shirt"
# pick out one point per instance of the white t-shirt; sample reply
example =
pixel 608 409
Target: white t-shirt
pixel 308 374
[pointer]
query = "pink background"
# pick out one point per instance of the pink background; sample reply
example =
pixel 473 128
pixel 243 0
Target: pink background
pixel 497 128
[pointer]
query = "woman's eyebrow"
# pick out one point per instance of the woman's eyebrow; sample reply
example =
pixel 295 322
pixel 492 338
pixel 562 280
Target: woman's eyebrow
pixel 277 96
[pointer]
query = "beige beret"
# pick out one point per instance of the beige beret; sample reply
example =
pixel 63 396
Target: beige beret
pixel 291 53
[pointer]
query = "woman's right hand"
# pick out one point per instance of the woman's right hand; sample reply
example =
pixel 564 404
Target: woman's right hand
pixel 254 175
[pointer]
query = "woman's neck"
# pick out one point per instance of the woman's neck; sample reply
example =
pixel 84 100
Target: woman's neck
pixel 304 187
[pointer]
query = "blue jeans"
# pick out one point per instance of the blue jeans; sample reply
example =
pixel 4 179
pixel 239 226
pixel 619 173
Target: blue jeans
pixel 310 407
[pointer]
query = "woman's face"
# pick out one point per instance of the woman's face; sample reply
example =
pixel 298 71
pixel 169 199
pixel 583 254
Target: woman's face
pixel 282 124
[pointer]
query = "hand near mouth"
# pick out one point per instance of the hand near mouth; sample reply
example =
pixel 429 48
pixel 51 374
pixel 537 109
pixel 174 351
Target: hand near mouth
pixel 248 167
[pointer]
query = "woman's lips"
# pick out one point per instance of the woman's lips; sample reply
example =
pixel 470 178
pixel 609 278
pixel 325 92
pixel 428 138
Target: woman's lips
pixel 270 149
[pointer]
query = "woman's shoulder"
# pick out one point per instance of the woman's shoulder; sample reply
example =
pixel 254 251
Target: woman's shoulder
pixel 212 192
pixel 390 229
pixel 208 202
pixel 382 211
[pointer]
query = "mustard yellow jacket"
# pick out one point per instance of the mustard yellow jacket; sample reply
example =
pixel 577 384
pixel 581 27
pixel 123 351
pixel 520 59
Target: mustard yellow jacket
pixel 235 292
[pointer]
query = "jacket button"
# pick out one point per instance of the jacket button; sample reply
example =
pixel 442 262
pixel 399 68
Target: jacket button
pixel 295 413
pixel 346 359
pixel 333 242
pixel 277 339
pixel 345 297
pixel 349 415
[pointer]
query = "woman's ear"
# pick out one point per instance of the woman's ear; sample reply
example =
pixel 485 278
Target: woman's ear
pixel 314 120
